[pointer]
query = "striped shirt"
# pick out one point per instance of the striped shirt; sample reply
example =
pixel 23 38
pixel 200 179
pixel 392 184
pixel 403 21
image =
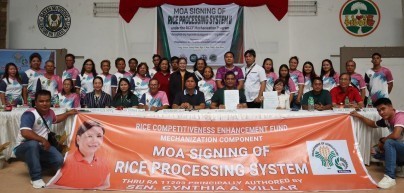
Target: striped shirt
pixel 91 101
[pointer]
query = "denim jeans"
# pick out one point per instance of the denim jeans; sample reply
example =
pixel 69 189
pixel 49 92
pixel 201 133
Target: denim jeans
pixel 36 157
pixel 394 153
pixel 294 105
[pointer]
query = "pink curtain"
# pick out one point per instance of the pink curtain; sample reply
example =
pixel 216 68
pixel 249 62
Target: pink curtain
pixel 128 8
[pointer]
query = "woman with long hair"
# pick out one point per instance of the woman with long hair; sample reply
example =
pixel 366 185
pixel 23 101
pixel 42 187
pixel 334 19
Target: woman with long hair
pixel 163 75
pixel 199 66
pixel 284 75
pixel 68 98
pixel 84 82
pixel 298 80
pixel 268 66
pixel 177 79
pixel 12 91
pixel 328 74
pixel 309 73
pixel 140 82
pixel 124 97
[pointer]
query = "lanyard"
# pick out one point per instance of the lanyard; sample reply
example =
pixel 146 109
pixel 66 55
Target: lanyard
pixel 245 79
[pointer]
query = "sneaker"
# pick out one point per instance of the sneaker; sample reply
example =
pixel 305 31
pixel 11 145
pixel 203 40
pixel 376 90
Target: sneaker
pixel 386 182
pixel 400 171
pixel 38 183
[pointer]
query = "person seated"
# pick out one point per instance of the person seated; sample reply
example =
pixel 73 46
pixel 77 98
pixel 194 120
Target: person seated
pixel 124 98
pixel 344 90
pixel 190 98
pixel 391 146
pixel 154 100
pixel 97 98
pixel 229 84
pixel 283 99
pixel 68 98
pixel 321 97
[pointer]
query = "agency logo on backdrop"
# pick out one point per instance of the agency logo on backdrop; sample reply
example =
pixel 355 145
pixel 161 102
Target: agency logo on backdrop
pixel 359 17
pixel 329 157
pixel 54 21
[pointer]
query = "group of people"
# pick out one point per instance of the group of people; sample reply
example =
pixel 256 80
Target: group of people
pixel 169 84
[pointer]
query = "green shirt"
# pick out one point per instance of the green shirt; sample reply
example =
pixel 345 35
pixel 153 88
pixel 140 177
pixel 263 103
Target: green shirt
pixel 124 101
pixel 324 98
pixel 218 97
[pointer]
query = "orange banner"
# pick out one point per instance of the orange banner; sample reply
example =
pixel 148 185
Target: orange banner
pixel 131 153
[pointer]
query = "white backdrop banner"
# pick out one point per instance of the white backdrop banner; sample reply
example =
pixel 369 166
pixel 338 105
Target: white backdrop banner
pixel 200 31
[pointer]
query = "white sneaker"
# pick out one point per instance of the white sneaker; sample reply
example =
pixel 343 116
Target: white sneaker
pixel 400 171
pixel 386 182
pixel 38 183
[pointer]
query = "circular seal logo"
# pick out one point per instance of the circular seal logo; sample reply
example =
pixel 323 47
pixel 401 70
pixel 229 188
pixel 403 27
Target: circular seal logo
pixel 193 57
pixel 54 21
pixel 213 57
pixel 359 17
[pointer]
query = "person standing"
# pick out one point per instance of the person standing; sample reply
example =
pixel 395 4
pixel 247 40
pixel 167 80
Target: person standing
pixel 133 66
pixel 84 83
pixel 106 76
pixel 120 65
pixel 268 66
pixel 30 77
pixel 32 141
pixel 255 80
pixel 177 80
pixel 140 82
pixel 174 64
pixel 12 91
pixel 309 74
pixel 163 75
pixel 289 86
pixel 156 62
pixel 229 66
pixel 379 79
pixel 356 79
pixel 298 80
pixel 50 81
pixel 71 71
pixel 328 74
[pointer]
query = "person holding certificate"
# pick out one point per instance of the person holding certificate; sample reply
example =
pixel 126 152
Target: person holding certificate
pixel 218 98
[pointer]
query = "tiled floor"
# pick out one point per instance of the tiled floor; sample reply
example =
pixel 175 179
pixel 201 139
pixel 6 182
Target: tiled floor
pixel 14 179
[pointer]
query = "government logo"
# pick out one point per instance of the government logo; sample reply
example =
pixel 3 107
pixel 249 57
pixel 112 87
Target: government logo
pixel 329 157
pixel 54 21
pixel 359 17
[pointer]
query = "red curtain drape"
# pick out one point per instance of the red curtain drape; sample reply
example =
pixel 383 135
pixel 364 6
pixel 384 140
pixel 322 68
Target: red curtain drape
pixel 128 8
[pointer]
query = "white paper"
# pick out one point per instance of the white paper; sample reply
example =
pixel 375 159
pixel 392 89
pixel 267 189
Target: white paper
pixel 270 100
pixel 231 99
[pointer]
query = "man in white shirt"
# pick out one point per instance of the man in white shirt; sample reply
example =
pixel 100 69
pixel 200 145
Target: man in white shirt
pixel 255 80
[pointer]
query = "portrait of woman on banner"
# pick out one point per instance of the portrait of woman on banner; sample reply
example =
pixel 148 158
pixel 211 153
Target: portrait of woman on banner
pixel 83 168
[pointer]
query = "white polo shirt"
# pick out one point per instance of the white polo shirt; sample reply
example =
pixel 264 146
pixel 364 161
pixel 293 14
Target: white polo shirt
pixel 253 78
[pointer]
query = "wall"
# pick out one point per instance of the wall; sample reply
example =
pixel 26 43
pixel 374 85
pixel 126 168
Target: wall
pixel 309 37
